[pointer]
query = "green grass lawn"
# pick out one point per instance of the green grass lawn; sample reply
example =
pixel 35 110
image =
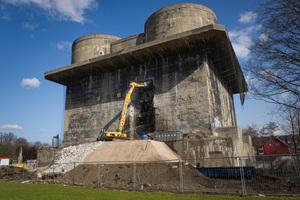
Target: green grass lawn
pixel 15 190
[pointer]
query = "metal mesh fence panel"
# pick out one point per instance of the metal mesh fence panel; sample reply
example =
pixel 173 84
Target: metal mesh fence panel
pixel 264 175
pixel 198 178
pixel 275 175
pixel 158 176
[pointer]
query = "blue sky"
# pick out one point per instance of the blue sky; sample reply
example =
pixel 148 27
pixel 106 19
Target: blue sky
pixel 36 36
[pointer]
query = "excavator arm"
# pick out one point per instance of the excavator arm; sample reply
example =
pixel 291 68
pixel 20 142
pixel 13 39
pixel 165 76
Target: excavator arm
pixel 127 101
pixel 119 134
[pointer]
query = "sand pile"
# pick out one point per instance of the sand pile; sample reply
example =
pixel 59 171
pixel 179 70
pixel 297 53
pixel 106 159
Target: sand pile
pixel 112 152
pixel 133 150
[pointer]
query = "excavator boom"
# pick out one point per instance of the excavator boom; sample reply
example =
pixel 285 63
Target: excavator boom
pixel 127 101
pixel 119 134
pixel 20 157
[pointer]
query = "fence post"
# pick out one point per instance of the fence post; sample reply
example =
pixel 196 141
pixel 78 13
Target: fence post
pixel 134 175
pixel 296 168
pixel 74 174
pixel 263 164
pixel 282 168
pixel 242 177
pixel 98 177
pixel 53 172
pixel 23 173
pixel 37 172
pixel 180 177
pixel 7 166
pixel 271 163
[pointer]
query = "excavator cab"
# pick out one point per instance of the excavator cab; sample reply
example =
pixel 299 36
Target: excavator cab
pixel 109 136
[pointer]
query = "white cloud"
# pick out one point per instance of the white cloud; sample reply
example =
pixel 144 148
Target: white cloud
pixel 264 37
pixel 62 45
pixel 68 10
pixel 30 83
pixel 248 77
pixel 241 50
pixel 242 41
pixel 5 16
pixel 247 17
pixel 42 130
pixel 11 127
pixel 285 95
pixel 29 26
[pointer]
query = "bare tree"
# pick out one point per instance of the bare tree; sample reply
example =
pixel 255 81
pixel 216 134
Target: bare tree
pixel 292 125
pixel 269 129
pixel 275 60
pixel 7 147
pixel 252 130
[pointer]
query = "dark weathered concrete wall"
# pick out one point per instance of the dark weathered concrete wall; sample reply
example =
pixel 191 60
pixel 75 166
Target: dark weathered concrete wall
pixel 183 87
pixel 220 99
pixel 45 156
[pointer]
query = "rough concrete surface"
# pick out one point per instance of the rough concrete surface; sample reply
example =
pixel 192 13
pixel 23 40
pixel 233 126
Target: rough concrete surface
pixel 183 51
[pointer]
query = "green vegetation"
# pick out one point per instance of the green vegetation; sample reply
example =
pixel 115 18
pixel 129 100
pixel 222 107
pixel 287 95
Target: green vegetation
pixel 15 190
pixel 10 145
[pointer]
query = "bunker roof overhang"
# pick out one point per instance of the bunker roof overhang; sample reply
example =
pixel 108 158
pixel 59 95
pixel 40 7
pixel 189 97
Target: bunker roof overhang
pixel 213 39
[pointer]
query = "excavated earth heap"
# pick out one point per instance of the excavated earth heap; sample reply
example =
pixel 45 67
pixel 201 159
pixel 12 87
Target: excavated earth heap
pixel 133 150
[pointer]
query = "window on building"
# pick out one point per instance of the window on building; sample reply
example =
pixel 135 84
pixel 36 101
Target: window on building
pixel 277 143
pixel 271 144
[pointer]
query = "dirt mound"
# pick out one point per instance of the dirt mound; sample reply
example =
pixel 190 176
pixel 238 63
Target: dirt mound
pixel 165 177
pixel 15 173
pixel 134 150
pixel 154 176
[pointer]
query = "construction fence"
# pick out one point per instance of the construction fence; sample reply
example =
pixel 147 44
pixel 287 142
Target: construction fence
pixel 259 175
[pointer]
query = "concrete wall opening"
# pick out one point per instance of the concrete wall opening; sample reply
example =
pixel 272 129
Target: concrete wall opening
pixel 143 115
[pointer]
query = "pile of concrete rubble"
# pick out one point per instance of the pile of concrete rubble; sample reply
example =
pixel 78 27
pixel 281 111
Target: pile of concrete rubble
pixel 65 158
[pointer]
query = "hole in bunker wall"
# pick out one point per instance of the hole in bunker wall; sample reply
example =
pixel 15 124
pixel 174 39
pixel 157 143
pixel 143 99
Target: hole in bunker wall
pixel 144 111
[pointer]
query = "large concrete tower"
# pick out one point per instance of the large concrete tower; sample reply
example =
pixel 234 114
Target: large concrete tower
pixel 194 72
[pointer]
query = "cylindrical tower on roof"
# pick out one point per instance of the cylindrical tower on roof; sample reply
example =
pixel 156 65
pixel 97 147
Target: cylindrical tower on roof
pixel 176 19
pixel 91 46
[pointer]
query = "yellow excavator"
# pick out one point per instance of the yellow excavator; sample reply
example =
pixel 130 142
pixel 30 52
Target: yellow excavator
pixel 110 135
pixel 20 158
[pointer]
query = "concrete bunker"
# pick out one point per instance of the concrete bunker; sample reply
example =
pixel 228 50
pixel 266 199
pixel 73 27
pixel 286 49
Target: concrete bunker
pixel 194 73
